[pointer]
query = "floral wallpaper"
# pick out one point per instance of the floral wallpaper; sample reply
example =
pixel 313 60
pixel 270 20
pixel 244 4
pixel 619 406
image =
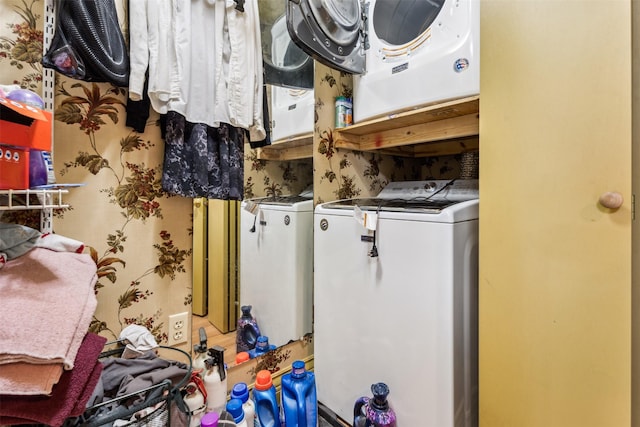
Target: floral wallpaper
pixel 275 178
pixel 139 236
pixel 341 173
pixel 141 255
pixel 21 43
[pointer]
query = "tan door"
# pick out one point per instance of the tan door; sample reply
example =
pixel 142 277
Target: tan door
pixel 199 292
pixel 555 265
pixel 222 272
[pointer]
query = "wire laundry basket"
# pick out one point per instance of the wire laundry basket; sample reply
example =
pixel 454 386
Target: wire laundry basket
pixel 162 405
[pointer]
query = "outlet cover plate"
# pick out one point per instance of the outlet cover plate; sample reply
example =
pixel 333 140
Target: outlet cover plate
pixel 178 328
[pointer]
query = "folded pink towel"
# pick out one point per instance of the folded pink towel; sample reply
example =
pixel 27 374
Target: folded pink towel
pixel 22 378
pixel 48 302
pixel 69 397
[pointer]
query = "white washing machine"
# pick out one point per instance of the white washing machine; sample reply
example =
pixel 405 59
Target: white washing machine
pixel 395 300
pixel 403 54
pixel 276 264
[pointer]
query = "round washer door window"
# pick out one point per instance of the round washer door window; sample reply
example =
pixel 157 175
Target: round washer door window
pixel 398 22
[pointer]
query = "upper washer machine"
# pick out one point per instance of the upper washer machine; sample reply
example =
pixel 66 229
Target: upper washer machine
pixel 404 54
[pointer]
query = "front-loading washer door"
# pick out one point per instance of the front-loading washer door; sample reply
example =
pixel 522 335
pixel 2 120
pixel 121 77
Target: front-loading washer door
pixel 330 31
pixel 284 63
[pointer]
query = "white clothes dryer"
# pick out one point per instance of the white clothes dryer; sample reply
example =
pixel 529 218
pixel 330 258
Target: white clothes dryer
pixel 396 301
pixel 289 72
pixel 276 264
pixel 292 112
pixel 403 54
pixel 292 108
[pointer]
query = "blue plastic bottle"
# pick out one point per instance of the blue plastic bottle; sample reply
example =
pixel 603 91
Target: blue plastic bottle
pixel 299 401
pixel 262 347
pixel 264 396
pixel 241 391
pixel 247 331
pixel 234 408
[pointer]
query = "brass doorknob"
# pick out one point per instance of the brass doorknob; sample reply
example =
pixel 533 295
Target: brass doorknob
pixel 611 199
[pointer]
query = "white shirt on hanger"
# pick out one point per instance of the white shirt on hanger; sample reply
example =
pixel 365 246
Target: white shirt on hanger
pixel 153 46
pixel 204 59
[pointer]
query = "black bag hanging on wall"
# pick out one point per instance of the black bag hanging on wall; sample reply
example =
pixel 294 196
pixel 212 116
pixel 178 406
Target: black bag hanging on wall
pixel 88 43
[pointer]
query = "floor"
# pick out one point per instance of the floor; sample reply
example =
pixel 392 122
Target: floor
pixel 214 337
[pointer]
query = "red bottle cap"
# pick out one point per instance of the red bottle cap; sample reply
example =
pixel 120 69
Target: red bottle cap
pixel 263 380
pixel 243 356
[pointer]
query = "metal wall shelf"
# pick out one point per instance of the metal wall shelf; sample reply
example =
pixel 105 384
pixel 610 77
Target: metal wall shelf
pixel 45 201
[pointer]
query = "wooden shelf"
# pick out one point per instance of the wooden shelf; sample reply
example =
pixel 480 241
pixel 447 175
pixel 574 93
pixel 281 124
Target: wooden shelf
pixel 300 147
pixel 442 129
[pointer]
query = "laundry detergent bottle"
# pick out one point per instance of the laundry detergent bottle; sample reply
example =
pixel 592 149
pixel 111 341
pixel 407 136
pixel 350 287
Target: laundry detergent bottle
pixel 299 400
pixel 241 391
pixel 247 332
pixel 215 380
pixel 264 397
pixel 262 347
pixel 374 412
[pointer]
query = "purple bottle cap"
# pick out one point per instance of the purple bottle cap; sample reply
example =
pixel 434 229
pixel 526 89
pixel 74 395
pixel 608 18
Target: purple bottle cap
pixel 210 419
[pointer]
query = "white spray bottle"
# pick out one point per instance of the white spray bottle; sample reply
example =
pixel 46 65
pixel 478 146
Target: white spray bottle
pixel 195 401
pixel 215 380
pixel 200 353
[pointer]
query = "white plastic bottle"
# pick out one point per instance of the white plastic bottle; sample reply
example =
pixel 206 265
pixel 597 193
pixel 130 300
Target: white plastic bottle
pixel 195 402
pixel 234 407
pixel 215 380
pixel 200 353
pixel 241 391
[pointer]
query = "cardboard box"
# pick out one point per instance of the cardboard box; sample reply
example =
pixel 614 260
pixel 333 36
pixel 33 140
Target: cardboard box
pixel 22 125
pixel 22 128
pixel 14 168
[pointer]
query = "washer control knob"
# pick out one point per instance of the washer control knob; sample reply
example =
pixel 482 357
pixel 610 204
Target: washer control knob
pixel 430 186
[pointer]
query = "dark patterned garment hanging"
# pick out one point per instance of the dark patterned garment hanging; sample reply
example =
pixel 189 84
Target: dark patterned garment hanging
pixel 203 161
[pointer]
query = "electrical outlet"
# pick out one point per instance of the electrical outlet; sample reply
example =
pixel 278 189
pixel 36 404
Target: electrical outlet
pixel 178 327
